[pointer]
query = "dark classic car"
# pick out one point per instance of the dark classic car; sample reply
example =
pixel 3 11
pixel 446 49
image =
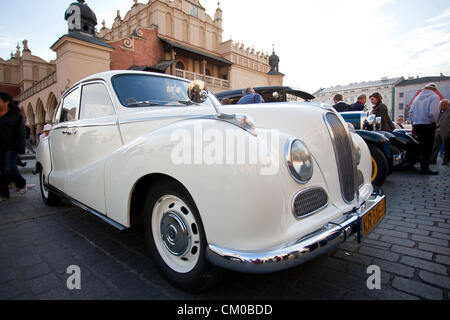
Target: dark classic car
pixel 402 141
pixel 269 94
pixel 385 150
pixel 386 147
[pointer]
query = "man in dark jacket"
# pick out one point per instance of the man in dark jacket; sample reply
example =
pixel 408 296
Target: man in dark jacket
pixel 360 104
pixel 340 105
pixel 12 143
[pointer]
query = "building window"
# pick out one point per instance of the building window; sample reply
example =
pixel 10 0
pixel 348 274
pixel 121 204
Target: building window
pixel 401 106
pixel 194 11
pixel 179 65
pixel 401 95
pixel 208 72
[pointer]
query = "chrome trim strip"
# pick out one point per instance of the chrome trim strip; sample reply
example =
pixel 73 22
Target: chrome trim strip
pixel 295 252
pixel 86 208
pixel 98 124
pixel 74 125
pixel 315 211
pixel 158 118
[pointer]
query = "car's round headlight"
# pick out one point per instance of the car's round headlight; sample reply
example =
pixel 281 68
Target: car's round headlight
pixel 299 160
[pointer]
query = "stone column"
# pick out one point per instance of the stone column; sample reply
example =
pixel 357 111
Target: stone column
pixel 204 66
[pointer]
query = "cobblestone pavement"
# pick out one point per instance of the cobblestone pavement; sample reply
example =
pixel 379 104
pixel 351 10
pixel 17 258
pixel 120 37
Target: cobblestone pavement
pixel 411 246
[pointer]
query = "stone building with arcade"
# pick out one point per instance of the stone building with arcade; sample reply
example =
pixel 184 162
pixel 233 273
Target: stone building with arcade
pixel 168 36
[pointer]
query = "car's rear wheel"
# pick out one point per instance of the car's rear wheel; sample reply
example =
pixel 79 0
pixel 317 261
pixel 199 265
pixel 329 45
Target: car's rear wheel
pixel 176 238
pixel 380 166
pixel 48 197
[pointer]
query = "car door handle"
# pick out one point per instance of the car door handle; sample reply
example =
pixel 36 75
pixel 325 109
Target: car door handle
pixel 70 132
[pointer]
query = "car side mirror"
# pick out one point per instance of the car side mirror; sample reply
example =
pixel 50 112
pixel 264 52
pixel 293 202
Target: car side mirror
pixel 370 119
pixel 197 91
pixel 369 123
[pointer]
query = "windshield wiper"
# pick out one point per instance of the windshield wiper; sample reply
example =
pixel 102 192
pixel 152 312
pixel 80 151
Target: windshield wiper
pixel 143 104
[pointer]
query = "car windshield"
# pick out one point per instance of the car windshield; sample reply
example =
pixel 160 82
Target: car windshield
pixel 134 90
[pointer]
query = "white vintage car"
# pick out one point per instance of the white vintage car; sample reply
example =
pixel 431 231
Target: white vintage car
pixel 255 189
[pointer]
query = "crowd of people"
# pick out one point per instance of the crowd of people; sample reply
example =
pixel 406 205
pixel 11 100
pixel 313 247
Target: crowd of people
pixel 430 118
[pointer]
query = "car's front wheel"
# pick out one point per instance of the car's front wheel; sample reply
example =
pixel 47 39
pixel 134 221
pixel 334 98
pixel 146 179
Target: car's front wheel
pixel 176 238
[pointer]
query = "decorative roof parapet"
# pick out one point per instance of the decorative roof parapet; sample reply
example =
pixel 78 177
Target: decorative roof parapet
pixel 248 52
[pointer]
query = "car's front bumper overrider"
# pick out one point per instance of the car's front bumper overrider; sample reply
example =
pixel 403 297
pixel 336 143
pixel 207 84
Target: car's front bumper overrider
pixel 398 159
pixel 295 252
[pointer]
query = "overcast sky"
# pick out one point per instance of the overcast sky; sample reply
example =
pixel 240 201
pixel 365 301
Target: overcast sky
pixel 321 43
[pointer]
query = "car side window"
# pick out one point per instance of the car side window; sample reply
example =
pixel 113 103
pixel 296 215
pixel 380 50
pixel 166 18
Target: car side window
pixel 70 106
pixel 95 102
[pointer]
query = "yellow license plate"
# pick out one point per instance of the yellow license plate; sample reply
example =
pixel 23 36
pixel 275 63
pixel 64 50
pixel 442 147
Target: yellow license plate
pixel 373 217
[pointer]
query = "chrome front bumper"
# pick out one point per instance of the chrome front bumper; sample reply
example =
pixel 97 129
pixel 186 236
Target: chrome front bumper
pixel 295 252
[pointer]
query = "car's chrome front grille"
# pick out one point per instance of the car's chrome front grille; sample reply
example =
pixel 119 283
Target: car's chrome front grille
pixel 309 201
pixel 344 156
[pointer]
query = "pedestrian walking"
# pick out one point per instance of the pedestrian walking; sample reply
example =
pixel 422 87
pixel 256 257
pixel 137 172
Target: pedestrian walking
pixel 380 110
pixel 12 143
pixel 339 104
pixel 360 104
pixel 250 97
pixel 29 142
pixel 442 136
pixel 424 115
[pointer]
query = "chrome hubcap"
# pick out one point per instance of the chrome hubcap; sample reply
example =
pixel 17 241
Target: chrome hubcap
pixel 175 234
